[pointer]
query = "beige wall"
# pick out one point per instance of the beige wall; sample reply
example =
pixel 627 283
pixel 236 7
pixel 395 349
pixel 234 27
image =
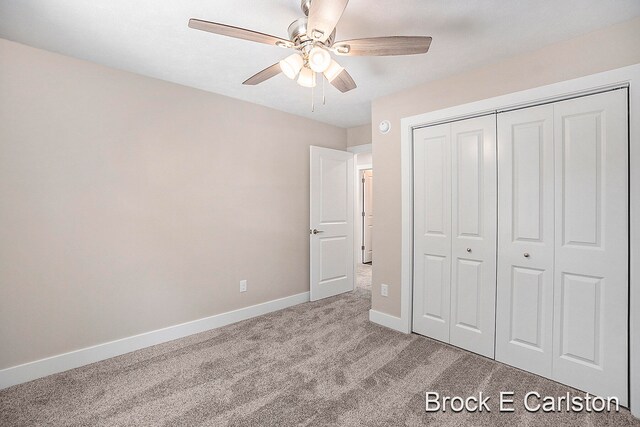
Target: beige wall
pixel 129 204
pixel 359 135
pixel 610 48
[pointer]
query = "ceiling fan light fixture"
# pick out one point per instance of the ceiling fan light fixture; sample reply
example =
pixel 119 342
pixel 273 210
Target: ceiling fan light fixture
pixel 319 59
pixel 292 65
pixel 313 37
pixel 307 78
pixel 333 71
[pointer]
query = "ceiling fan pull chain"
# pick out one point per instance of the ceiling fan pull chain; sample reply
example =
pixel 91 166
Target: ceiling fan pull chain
pixel 323 98
pixel 312 106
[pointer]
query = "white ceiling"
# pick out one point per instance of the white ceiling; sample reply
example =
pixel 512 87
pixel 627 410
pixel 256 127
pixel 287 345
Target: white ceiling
pixel 151 37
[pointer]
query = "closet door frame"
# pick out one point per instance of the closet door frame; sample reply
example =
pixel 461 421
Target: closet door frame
pixel 596 83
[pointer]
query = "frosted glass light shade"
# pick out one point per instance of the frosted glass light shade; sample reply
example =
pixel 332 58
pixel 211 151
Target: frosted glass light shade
pixel 291 65
pixel 319 59
pixel 307 78
pixel 333 71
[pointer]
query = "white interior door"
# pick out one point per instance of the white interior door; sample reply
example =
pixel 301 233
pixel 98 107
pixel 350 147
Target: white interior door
pixel 367 216
pixel 591 244
pixel 432 231
pixel 331 222
pixel 524 312
pixel 473 232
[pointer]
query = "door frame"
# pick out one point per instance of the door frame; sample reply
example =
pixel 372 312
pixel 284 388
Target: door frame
pixel 358 149
pixel 361 205
pixel 614 79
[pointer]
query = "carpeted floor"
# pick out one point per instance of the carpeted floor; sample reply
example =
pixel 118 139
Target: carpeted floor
pixel 320 363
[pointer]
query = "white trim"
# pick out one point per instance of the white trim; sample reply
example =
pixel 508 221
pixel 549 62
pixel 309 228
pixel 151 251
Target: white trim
pixel 74 359
pixel 363 148
pixel 581 86
pixel 406 182
pixel 357 240
pixel 357 259
pixel 387 320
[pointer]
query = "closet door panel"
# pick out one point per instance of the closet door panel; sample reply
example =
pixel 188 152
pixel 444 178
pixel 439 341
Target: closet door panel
pixel 591 244
pixel 474 218
pixel 526 239
pixel 432 232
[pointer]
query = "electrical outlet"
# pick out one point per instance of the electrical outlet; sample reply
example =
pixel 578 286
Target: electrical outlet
pixel 384 290
pixel 243 286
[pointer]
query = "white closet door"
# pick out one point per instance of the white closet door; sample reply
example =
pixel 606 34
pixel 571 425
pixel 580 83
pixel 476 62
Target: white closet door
pixel 474 222
pixel 526 239
pixel 432 231
pixel 591 254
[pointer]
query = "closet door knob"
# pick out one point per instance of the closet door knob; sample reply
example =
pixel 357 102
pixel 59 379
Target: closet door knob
pixel 469 250
pixel 526 255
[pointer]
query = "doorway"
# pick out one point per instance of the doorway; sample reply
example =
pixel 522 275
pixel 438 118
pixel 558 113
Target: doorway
pixel 331 222
pixel 341 221
pixel 363 255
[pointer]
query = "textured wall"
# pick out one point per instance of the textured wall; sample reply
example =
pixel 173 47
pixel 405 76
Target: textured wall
pixel 359 135
pixel 130 204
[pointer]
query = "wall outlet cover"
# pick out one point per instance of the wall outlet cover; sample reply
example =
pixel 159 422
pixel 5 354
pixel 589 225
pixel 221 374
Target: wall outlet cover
pixel 243 286
pixel 384 290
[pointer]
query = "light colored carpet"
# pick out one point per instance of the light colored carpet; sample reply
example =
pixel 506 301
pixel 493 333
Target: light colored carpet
pixel 320 363
pixel 363 276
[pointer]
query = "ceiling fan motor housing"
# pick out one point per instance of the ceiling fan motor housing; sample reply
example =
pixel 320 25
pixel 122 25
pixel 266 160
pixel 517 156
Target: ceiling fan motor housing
pixel 298 28
pixel 298 33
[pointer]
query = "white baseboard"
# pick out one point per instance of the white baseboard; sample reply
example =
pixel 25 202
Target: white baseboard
pixel 387 320
pixel 74 359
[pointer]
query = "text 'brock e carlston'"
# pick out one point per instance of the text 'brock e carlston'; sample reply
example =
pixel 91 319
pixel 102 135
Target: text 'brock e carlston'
pixel 532 402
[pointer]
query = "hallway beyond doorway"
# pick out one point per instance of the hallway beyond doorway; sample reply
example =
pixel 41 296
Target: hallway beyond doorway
pixel 363 276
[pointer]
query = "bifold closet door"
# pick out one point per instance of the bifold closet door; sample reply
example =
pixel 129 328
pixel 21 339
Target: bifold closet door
pixel 455 233
pixel 591 244
pixel 473 231
pixel 524 330
pixel 432 231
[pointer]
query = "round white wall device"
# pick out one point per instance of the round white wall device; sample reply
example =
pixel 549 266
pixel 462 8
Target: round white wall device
pixel 384 126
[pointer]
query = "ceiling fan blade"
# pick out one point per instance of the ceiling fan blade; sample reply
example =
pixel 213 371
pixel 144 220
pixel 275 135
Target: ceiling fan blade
pixel 343 82
pixel 383 46
pixel 263 75
pixel 323 18
pixel 239 33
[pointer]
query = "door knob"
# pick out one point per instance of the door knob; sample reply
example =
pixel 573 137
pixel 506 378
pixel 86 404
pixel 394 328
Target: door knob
pixel 526 255
pixel 316 231
pixel 469 250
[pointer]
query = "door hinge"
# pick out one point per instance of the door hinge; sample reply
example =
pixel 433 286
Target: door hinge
pixel 362 213
pixel 363 180
pixel 362 248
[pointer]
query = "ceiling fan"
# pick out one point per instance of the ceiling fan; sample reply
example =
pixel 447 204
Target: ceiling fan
pixel 313 39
